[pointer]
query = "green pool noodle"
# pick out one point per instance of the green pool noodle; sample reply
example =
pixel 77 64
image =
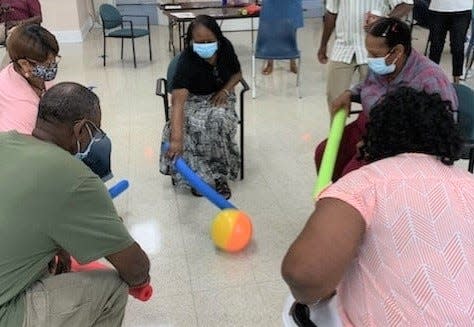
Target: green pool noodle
pixel 330 152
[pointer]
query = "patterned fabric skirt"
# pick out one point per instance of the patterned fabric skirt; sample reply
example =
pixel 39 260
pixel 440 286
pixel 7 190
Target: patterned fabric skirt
pixel 209 145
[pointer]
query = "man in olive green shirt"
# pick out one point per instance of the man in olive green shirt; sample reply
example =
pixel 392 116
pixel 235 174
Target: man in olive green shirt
pixel 51 203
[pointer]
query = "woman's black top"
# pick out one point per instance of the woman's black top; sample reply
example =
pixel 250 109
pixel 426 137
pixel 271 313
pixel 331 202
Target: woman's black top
pixel 200 77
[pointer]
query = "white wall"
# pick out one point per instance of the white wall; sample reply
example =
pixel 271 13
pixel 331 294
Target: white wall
pixel 68 20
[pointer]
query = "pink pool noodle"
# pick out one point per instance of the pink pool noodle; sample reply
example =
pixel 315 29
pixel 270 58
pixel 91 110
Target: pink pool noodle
pixel 142 293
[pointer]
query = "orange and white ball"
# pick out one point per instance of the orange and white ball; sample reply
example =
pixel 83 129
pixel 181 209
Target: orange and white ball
pixel 231 230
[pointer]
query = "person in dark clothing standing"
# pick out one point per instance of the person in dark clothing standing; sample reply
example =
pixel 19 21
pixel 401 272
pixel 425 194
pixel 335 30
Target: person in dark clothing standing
pixel 452 16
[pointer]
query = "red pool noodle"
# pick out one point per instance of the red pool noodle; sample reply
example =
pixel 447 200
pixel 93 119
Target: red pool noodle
pixel 94 265
pixel 142 293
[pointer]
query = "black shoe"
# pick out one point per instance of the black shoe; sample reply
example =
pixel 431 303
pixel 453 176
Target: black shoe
pixel 195 193
pixel 223 188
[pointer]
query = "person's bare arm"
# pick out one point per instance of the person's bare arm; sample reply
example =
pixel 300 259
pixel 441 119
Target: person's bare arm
pixel 220 97
pixel 178 100
pixel 328 29
pixel 317 260
pixel 132 265
pixel 401 10
pixel 31 20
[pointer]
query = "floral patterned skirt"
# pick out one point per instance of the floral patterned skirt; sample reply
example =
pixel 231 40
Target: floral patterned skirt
pixel 209 145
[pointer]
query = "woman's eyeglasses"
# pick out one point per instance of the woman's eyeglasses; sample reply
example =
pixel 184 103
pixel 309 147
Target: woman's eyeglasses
pixel 55 63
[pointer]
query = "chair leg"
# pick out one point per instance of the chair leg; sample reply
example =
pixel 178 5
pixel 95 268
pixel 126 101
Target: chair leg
pixel 427 47
pixel 298 79
pixel 149 44
pixel 471 160
pixel 104 50
pixel 254 84
pixel 470 64
pixel 242 156
pixel 134 58
pixel 121 50
pixel 469 60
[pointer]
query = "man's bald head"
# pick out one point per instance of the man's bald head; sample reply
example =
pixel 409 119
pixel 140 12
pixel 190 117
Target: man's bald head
pixel 68 103
pixel 68 114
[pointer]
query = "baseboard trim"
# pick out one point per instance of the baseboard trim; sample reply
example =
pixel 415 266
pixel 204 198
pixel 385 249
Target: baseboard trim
pixel 74 36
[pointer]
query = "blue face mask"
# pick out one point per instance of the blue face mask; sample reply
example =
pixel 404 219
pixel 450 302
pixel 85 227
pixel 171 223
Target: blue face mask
pixel 380 67
pixel 97 154
pixel 205 50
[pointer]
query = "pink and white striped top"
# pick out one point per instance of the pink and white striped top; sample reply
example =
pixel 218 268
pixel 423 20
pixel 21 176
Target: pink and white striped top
pixel 415 266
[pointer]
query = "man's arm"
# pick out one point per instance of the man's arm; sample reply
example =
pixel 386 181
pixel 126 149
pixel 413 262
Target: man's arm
pixel 132 265
pixel 88 227
pixel 32 20
pixel 329 26
pixel 401 10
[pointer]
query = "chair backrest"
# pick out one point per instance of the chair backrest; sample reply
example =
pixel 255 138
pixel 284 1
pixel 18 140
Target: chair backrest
pixel 173 65
pixel 465 111
pixel 276 39
pixel 110 16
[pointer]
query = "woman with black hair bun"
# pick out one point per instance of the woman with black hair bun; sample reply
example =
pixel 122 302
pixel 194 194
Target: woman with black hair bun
pixel 410 121
pixel 393 63
pixel 203 120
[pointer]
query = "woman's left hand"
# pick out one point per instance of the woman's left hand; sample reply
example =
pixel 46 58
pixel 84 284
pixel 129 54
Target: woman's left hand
pixel 219 99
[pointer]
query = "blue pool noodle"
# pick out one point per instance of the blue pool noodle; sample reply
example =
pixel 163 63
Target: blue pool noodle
pixel 118 188
pixel 198 184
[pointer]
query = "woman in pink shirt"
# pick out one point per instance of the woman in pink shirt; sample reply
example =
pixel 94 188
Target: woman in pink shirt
pixel 396 236
pixel 34 54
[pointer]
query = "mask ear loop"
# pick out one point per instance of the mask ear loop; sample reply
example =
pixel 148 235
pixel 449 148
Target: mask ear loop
pixel 79 144
pixel 389 53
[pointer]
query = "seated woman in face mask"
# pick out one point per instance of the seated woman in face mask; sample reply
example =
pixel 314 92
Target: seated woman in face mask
pixel 34 54
pixel 203 120
pixel 393 63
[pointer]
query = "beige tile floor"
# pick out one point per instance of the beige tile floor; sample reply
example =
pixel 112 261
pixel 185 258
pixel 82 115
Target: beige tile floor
pixel 196 285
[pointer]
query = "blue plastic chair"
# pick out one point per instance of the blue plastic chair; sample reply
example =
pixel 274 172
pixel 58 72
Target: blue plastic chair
pixel 112 20
pixel 164 87
pixel 276 40
pixel 466 121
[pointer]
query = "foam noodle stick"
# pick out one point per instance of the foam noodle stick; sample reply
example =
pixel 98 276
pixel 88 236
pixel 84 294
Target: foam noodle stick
pixel 142 293
pixel 118 188
pixel 198 184
pixel 330 152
